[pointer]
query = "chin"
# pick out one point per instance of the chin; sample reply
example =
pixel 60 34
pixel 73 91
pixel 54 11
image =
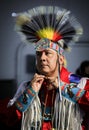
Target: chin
pixel 44 72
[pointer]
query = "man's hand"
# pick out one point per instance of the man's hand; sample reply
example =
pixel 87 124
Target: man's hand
pixel 37 81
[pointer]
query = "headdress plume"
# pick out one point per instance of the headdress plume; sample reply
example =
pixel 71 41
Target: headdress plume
pixel 51 22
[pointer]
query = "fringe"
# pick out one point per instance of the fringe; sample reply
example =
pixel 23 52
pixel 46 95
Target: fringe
pixel 67 115
pixel 31 118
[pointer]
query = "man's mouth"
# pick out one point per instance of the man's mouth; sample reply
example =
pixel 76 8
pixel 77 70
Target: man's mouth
pixel 43 65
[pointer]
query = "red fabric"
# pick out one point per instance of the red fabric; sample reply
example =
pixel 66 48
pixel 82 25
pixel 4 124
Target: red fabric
pixel 9 116
pixel 46 126
pixel 64 75
pixel 83 128
pixel 19 114
pixel 87 85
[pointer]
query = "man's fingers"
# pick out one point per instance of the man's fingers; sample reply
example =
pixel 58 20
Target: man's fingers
pixel 37 78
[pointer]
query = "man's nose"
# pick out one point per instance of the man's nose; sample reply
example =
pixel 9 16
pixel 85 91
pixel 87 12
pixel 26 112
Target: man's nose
pixel 43 56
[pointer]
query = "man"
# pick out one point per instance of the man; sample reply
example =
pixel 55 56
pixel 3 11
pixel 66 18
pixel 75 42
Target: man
pixel 54 98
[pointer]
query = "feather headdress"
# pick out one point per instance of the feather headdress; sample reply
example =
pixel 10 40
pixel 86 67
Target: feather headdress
pixel 48 22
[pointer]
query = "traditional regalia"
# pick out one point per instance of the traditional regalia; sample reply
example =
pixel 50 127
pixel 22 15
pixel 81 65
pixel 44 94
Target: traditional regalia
pixel 62 108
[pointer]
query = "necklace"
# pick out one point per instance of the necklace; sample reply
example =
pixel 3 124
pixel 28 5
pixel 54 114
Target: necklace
pixel 45 106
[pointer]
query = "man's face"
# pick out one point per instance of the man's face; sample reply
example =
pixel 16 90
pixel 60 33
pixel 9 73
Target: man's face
pixel 47 62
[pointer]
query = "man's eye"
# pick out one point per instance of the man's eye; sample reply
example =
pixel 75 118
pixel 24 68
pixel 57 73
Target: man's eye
pixel 48 53
pixel 38 53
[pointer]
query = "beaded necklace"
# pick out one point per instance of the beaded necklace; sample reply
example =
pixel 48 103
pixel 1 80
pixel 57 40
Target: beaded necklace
pixel 47 95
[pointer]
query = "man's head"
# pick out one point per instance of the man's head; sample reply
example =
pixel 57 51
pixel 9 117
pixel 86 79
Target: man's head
pixel 48 62
pixel 49 57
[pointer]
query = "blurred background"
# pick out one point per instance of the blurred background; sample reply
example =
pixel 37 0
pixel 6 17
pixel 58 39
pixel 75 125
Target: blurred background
pixel 17 60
